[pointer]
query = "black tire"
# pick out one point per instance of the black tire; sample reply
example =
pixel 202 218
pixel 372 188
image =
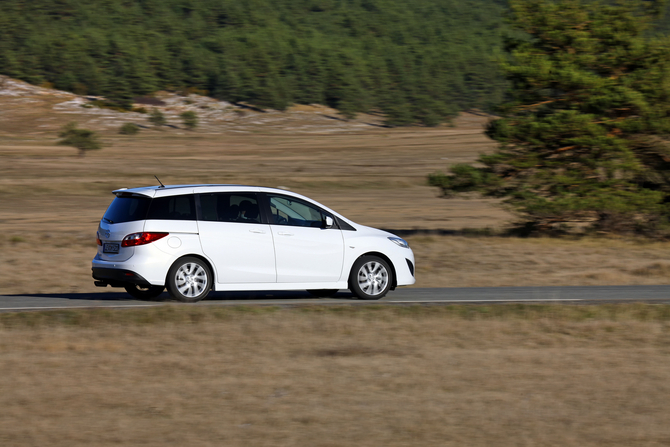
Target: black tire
pixel 144 293
pixel 373 271
pixel 323 293
pixel 189 280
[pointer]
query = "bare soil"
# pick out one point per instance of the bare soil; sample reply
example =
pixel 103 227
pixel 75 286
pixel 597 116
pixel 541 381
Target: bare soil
pixel 295 378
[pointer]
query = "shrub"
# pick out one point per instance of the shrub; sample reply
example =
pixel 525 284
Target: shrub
pixel 129 129
pixel 82 139
pixel 190 119
pixel 157 118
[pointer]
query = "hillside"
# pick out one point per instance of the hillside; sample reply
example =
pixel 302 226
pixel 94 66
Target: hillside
pixel 28 111
pixel 418 61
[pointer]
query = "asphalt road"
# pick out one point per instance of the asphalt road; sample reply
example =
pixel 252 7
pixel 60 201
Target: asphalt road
pixel 474 295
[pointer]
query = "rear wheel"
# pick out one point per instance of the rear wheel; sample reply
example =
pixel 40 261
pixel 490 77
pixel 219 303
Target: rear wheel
pixel 370 278
pixel 189 280
pixel 144 293
pixel 323 293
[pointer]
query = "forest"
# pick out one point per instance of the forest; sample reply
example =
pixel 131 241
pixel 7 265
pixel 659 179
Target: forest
pixel 417 61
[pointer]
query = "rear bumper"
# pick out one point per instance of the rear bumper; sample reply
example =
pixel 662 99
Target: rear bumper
pixel 118 277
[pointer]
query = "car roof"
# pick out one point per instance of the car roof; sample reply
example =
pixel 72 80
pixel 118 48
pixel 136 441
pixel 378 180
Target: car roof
pixel 173 190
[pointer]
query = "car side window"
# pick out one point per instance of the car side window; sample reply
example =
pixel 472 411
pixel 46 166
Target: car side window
pixel 286 210
pixel 230 207
pixel 172 208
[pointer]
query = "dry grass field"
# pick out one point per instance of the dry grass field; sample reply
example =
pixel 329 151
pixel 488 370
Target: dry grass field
pixel 51 199
pixel 437 376
pixel 508 375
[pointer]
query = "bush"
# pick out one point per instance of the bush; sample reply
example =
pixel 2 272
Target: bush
pixel 190 119
pixel 82 139
pixel 129 129
pixel 157 118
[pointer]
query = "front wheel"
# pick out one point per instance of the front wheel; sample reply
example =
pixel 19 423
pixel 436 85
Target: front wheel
pixel 189 280
pixel 370 278
pixel 144 293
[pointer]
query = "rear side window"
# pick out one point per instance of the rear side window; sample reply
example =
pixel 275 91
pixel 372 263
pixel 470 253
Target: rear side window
pixel 172 208
pixel 230 207
pixel 127 208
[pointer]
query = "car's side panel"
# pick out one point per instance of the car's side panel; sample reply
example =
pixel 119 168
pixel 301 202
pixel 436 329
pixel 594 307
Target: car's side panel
pixel 306 254
pixel 241 252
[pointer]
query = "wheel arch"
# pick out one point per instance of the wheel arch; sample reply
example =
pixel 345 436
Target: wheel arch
pixel 194 255
pixel 394 283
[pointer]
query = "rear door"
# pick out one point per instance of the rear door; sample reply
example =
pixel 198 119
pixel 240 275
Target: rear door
pixel 235 239
pixel 305 250
pixel 124 216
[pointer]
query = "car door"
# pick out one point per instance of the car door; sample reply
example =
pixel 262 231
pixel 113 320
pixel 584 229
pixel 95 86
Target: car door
pixel 305 250
pixel 235 239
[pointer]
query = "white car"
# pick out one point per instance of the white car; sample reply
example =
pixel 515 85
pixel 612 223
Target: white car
pixel 195 238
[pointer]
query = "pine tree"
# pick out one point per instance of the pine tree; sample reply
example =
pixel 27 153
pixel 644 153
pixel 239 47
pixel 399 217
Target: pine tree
pixel 582 138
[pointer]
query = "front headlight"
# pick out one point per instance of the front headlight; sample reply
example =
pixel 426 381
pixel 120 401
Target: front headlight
pixel 399 241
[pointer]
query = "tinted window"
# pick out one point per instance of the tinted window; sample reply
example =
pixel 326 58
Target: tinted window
pixel 172 208
pixel 230 207
pixel 127 208
pixel 290 211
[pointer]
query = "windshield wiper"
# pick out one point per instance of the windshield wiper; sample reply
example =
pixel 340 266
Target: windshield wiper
pixel 108 220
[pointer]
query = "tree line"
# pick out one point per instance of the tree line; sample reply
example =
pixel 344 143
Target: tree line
pixel 416 61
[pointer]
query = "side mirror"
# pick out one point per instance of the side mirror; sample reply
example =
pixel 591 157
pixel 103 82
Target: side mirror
pixel 329 222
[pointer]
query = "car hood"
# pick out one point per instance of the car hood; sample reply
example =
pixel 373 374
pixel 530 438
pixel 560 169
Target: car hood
pixel 371 231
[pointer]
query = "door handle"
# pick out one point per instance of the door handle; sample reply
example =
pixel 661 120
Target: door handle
pixel 257 231
pixel 284 234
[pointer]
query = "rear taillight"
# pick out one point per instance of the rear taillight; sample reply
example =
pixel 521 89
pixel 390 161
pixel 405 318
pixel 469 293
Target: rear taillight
pixel 97 239
pixel 135 239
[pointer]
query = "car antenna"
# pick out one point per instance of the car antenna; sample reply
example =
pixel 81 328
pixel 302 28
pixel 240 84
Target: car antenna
pixel 159 181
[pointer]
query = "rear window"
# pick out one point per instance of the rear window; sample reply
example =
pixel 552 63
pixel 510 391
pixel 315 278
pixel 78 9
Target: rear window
pixel 172 208
pixel 127 208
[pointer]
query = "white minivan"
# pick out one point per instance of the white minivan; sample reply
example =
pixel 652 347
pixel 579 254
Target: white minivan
pixel 196 238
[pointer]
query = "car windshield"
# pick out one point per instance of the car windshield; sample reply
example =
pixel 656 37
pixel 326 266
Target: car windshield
pixel 127 208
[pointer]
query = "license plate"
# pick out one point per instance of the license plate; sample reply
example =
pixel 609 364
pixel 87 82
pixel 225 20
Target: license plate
pixel 110 247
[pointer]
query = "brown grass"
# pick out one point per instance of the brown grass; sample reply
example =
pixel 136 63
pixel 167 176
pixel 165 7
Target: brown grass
pixel 528 375
pixel 458 261
pixel 51 200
